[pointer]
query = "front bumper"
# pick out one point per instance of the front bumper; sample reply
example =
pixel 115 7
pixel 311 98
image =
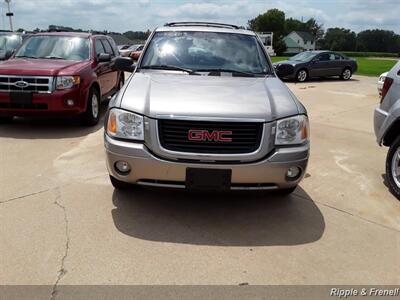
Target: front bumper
pixel 148 169
pixel 45 103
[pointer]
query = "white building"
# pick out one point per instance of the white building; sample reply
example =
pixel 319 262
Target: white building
pixel 298 41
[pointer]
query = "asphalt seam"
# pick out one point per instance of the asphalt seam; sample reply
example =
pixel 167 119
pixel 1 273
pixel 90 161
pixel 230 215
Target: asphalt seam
pixel 348 213
pixel 62 270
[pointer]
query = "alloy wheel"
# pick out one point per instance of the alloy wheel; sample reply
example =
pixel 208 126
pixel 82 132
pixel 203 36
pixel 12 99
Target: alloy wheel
pixel 346 74
pixel 396 167
pixel 95 106
pixel 301 76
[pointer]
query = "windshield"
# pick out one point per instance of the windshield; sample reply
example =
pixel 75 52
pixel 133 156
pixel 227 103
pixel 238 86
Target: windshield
pixel 202 51
pixel 10 42
pixel 55 47
pixel 303 56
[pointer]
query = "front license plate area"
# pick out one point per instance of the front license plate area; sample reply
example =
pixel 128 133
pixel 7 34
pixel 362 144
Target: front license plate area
pixel 208 179
pixel 21 98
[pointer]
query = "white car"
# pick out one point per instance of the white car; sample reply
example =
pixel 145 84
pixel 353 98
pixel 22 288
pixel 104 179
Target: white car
pixel 127 51
pixel 381 80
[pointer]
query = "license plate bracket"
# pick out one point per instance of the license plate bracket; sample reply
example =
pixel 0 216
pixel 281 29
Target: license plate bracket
pixel 21 97
pixel 208 179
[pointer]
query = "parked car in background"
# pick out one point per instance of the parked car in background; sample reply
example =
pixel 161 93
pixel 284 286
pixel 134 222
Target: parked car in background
pixel 387 127
pixel 309 64
pixel 136 54
pixel 205 110
pixel 9 42
pixel 128 51
pixel 59 73
pixel 123 47
pixel 381 80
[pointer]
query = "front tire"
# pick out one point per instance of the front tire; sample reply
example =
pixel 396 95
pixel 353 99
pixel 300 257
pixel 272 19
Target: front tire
pixel 346 74
pixel 91 115
pixel 120 185
pixel 6 120
pixel 301 75
pixel 393 168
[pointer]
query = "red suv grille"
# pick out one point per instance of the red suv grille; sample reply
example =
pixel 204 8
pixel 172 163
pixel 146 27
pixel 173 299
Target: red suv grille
pixel 209 137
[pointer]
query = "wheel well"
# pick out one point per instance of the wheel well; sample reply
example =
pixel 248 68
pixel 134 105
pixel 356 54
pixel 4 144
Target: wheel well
pixel 348 67
pixel 96 86
pixel 302 69
pixel 392 133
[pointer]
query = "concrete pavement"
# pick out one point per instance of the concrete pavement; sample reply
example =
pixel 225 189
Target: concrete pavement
pixel 63 223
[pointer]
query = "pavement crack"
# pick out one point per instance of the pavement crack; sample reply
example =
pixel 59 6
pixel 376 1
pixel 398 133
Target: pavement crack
pixel 62 270
pixel 25 196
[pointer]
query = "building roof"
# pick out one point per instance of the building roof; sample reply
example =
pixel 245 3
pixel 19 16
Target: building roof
pixel 306 36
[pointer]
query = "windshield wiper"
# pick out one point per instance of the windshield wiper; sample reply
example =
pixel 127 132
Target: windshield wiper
pixel 25 56
pixel 234 72
pixel 52 57
pixel 169 67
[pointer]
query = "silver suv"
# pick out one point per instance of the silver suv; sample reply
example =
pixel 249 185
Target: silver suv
pixel 204 109
pixel 387 127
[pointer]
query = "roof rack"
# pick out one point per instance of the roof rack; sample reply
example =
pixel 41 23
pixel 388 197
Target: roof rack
pixel 208 24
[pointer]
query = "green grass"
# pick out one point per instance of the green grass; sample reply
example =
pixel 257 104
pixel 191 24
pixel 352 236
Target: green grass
pixel 367 66
pixel 373 67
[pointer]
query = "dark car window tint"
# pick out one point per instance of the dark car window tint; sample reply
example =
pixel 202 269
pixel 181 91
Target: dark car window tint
pixel 99 47
pixel 323 57
pixel 338 57
pixel 108 47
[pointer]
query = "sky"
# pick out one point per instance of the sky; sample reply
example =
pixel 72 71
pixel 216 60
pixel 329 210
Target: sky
pixel 137 15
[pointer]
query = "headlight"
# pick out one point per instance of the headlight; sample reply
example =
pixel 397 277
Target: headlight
pixel 293 130
pixel 67 82
pixel 125 125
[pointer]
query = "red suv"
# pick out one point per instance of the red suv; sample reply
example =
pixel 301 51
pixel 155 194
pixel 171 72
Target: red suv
pixel 59 73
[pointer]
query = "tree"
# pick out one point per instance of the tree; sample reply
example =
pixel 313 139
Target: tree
pixel 20 30
pixel 314 28
pixel 339 39
pixel 378 40
pixel 272 20
pixel 293 25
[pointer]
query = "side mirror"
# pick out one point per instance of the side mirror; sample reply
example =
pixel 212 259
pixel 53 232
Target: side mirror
pixel 103 57
pixel 284 70
pixel 125 64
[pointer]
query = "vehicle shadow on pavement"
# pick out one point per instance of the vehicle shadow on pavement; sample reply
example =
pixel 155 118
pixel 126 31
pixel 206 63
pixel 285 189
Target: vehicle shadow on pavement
pixel 234 219
pixel 48 127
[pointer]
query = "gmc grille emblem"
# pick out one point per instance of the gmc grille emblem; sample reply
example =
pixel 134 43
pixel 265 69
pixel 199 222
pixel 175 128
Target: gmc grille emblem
pixel 21 84
pixel 203 135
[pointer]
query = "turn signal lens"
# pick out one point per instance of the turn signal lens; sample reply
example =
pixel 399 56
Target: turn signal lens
pixel 112 123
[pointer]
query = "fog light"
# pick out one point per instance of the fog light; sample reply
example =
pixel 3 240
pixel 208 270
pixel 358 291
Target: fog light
pixel 293 172
pixel 70 102
pixel 122 167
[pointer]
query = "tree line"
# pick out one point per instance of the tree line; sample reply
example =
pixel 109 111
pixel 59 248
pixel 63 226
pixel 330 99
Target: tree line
pixel 336 39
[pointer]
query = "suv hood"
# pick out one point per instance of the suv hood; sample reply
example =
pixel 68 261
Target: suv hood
pixel 40 67
pixel 156 94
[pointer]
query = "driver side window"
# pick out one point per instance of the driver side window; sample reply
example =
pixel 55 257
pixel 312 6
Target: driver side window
pixel 99 48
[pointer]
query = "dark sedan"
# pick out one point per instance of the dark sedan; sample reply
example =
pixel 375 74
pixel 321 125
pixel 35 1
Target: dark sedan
pixel 310 64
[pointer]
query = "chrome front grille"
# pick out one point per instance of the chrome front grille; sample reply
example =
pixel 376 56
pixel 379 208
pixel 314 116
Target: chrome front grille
pixel 33 84
pixel 243 138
